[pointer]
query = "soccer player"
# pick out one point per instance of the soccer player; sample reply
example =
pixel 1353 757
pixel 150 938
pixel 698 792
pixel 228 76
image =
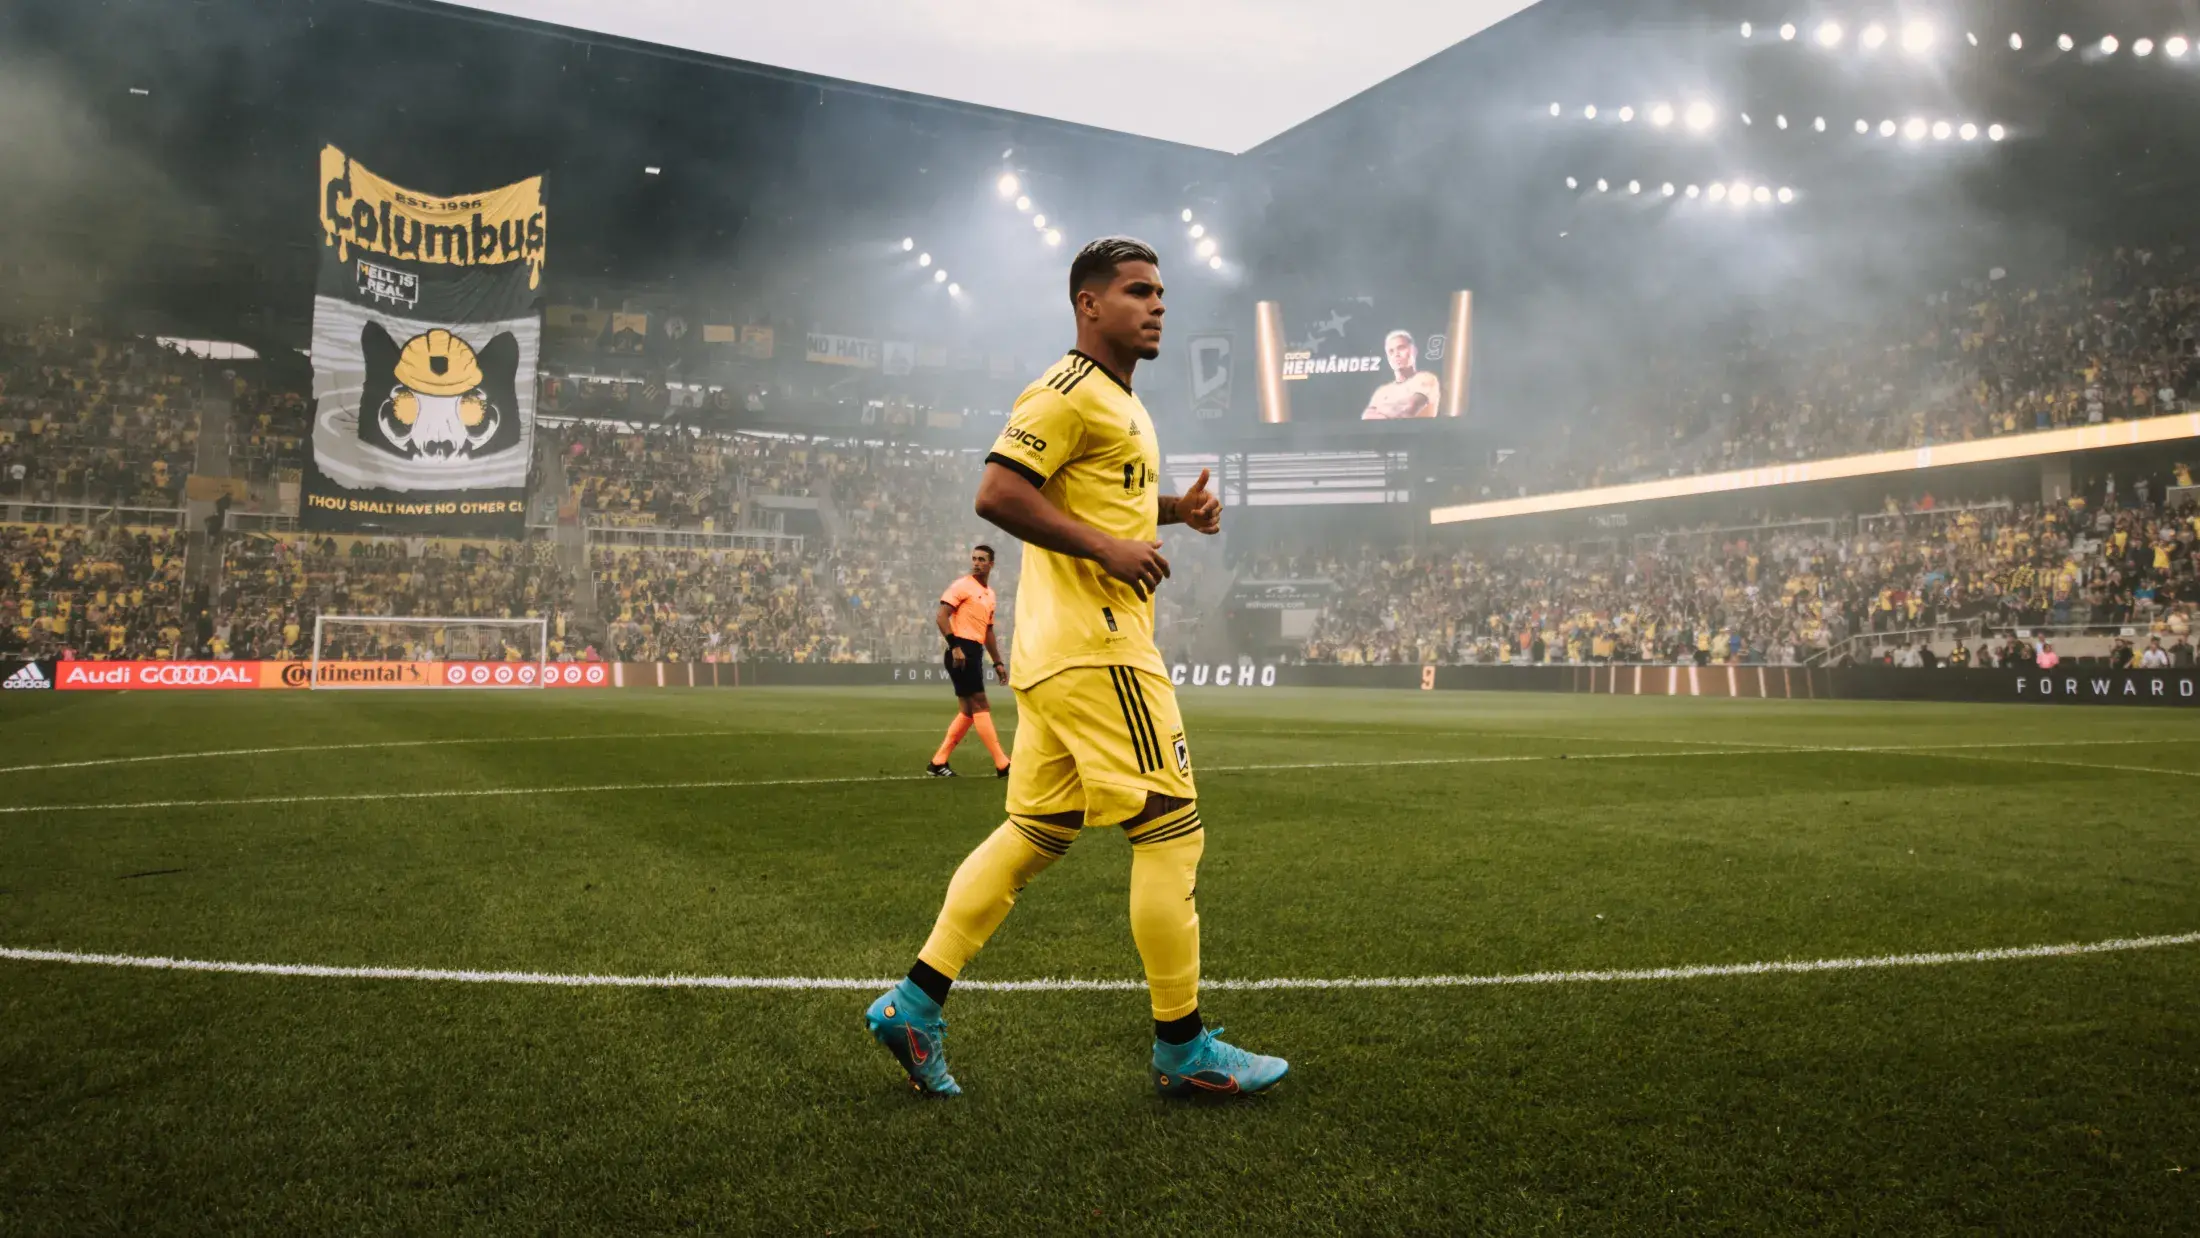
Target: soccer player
pixel 966 621
pixel 1411 392
pixel 1099 744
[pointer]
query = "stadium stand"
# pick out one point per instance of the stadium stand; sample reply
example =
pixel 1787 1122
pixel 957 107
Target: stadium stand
pixel 90 418
pixel 107 591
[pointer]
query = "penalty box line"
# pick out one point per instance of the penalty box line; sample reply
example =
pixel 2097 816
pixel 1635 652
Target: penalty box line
pixel 1946 752
pixel 1702 971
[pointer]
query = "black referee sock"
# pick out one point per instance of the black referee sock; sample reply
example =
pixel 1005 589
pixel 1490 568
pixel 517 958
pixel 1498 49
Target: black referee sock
pixel 1178 1031
pixel 931 982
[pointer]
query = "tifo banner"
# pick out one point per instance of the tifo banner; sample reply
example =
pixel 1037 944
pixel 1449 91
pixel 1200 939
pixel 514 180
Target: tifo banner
pixel 843 350
pixel 426 331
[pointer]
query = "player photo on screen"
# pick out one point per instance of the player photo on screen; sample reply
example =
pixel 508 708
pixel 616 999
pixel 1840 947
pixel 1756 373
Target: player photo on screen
pixel 1365 361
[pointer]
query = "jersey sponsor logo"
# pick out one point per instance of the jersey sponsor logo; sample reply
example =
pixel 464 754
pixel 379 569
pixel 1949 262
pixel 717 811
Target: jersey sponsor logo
pixel 1017 434
pixel 29 677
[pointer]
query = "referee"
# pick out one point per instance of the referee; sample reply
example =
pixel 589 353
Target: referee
pixel 965 619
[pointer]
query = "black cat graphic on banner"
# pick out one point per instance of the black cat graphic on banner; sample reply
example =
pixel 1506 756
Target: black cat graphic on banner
pixel 427 327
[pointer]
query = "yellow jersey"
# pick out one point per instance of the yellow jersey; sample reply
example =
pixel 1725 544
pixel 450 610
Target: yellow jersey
pixel 1081 437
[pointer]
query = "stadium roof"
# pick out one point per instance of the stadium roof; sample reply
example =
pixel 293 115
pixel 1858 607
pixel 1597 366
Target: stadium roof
pixel 1222 74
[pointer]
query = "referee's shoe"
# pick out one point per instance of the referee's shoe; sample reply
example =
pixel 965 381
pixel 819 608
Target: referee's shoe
pixel 939 769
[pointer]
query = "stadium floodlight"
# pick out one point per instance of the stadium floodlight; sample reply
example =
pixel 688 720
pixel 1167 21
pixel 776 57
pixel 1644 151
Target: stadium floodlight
pixel 1781 120
pixel 1207 248
pixel 1829 34
pixel 924 260
pixel 1198 231
pixel 1996 132
pixel 2175 47
pixel 954 290
pixel 1661 114
pixel 1626 114
pixel 1819 124
pixel 1589 112
pixel 2065 42
pixel 350 651
pixel 1941 130
pixel 1874 35
pixel 1971 37
pixel 2144 47
pixel 1917 37
pixel 908 243
pixel 1700 116
pixel 1692 191
pixel 940 276
pixel 1215 263
pixel 1717 192
pixel 1863 126
pixel 2109 45
pixel 1186 216
pixel 1886 128
pixel 1667 189
pixel 651 170
pixel 1054 237
pixel 1786 195
pixel 1602 185
pixel 1008 184
pixel 2016 41
pixel 1023 204
pixel 1761 194
pixel 1634 186
pixel 1739 194
pixel 1787 32
pixel 1572 183
pixel 1969 132
pixel 1746 120
pixel 1039 222
pixel 1555 110
pixel 1915 129
pixel 1746 29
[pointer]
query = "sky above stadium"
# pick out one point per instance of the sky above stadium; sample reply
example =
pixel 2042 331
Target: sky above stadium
pixel 1222 74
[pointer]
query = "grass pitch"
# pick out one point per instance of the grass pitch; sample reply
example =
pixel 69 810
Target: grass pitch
pixel 1349 835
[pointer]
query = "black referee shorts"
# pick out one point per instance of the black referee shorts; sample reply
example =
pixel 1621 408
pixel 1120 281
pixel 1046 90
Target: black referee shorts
pixel 969 678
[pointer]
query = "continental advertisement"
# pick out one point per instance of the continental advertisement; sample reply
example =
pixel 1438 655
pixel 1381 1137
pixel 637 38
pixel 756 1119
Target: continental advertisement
pixel 427 330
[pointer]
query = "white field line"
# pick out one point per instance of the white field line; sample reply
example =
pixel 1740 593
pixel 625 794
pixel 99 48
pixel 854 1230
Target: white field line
pixel 604 788
pixel 439 743
pixel 1701 971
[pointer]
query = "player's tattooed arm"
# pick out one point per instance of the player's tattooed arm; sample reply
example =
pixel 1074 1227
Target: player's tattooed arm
pixel 1198 508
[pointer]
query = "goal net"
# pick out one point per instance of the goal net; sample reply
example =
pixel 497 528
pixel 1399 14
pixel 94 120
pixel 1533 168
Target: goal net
pixel 381 651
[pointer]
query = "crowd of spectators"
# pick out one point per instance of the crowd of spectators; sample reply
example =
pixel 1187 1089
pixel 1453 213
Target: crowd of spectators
pixel 273 586
pixel 92 418
pixel 2115 337
pixel 107 591
pixel 1777 593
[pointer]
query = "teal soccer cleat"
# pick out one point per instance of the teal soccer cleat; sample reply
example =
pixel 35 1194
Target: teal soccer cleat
pixel 911 1027
pixel 1206 1066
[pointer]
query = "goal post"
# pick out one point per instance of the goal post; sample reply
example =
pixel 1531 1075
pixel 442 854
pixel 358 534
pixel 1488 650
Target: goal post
pixel 427 651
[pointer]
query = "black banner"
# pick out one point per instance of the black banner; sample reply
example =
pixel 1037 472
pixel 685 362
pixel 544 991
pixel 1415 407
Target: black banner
pixel 427 328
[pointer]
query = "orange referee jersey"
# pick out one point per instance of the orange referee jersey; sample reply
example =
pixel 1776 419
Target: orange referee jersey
pixel 973 605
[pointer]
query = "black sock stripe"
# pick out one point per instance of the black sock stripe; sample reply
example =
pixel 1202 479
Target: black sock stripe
pixel 1153 737
pixel 1174 816
pixel 1052 846
pixel 1192 826
pixel 1130 723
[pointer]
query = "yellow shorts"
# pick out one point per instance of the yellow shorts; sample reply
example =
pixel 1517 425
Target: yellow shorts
pixel 1097 740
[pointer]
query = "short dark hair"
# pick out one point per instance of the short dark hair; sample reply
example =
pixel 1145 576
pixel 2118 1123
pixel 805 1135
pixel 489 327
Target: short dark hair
pixel 987 549
pixel 1099 259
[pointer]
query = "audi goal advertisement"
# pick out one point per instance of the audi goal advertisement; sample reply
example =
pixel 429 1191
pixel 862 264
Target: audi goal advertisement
pixel 73 676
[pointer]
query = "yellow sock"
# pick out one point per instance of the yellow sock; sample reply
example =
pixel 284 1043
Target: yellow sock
pixel 983 721
pixel 985 887
pixel 1164 917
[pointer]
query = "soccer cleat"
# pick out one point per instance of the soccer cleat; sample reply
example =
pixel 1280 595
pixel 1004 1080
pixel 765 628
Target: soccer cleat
pixel 1001 772
pixel 1206 1066
pixel 909 1024
pixel 938 769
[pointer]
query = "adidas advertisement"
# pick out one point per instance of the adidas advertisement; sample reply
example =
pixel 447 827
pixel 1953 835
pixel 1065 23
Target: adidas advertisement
pixel 26 676
pixel 427 326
